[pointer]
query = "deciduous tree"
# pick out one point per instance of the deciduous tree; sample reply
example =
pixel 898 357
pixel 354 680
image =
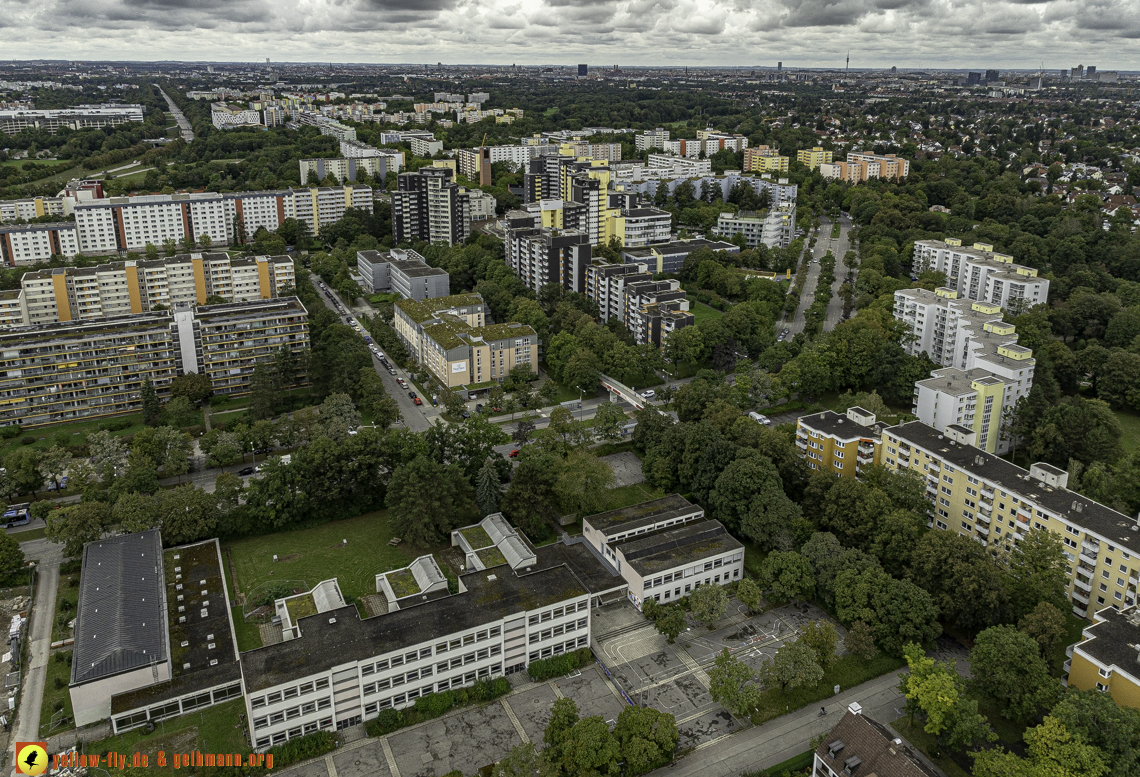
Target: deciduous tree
pixel 708 603
pixel 1007 666
pixel 732 685
pixel 793 665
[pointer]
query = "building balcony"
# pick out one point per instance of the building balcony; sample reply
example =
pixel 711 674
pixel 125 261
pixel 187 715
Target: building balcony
pixel 982 531
pixel 986 504
pixel 1080 597
pixel 1067 666
pixel 1089 554
pixel 1069 651
pixel 1084 586
pixel 801 444
pixel 982 518
pixel 1079 610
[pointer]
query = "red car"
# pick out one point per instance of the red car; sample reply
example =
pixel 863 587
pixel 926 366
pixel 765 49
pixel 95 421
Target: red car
pixel 514 454
pixel 418 401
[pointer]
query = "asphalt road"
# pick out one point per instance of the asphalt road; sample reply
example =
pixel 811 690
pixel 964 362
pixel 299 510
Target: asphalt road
pixel 838 247
pixel 417 418
pixel 797 323
pixel 184 128
pixel 47 556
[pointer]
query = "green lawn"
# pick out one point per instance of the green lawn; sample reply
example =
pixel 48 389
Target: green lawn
pixel 20 163
pixel 625 496
pixel 56 695
pixel 215 729
pixel 308 556
pixel 847 672
pixel 835 229
pixel 29 535
pixel 247 632
pixel 1073 628
pixel 702 312
pixel 47 435
pixel 1130 425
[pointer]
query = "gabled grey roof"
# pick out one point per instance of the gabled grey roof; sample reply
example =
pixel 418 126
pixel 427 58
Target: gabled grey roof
pixel 121 619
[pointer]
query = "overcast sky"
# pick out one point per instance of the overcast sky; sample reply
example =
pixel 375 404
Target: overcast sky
pixel 806 33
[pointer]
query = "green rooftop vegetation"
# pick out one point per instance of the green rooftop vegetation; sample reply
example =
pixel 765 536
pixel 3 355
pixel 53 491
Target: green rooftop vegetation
pixel 403 583
pixel 300 607
pixel 491 557
pixel 476 537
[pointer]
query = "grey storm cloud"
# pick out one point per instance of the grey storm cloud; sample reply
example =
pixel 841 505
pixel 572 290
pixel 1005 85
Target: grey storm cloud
pixel 1006 33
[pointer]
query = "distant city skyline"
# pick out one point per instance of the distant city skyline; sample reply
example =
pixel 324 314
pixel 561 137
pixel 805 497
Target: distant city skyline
pixel 909 34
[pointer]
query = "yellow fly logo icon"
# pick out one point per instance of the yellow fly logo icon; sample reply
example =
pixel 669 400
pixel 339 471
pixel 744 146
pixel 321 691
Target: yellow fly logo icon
pixel 31 758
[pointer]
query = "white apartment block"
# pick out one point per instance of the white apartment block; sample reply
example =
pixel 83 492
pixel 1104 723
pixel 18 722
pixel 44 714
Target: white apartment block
pixel 606 283
pixel 779 191
pixel 354 149
pixel 680 165
pixel 77 118
pixel 980 274
pixel 319 206
pixel 33 208
pixel 225 116
pixel 122 288
pixel 652 139
pixel 774 228
pixel 26 244
pixel 986 371
pixel 426 147
pixel 119 224
pixel 645 226
pixel 348 169
pixel 326 125
pixel 665 548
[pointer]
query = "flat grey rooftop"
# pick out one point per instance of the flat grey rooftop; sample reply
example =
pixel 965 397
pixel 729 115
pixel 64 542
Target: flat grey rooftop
pixel 643 514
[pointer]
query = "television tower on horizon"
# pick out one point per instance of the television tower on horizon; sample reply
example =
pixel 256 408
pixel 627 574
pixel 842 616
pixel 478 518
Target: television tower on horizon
pixel 847 70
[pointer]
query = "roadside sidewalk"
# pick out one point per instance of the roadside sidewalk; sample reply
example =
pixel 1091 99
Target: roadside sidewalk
pixel 789 735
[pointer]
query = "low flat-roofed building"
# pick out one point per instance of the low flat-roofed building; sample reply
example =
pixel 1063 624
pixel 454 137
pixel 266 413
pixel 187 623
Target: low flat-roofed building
pixel 670 257
pixel 665 548
pixel 1108 656
pixel 148 643
pixel 403 271
pixel 341 669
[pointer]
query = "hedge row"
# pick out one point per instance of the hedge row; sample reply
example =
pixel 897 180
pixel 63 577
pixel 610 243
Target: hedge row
pixel 303 748
pixel 557 666
pixel 433 705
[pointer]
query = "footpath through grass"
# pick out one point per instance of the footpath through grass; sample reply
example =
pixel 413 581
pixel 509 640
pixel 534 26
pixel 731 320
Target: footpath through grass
pixel 847 672
pixel 305 557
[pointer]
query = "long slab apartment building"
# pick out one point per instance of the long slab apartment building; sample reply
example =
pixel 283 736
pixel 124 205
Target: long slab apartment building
pixel 980 495
pixel 136 286
pixel 332 668
pixel 96 367
pixel 120 224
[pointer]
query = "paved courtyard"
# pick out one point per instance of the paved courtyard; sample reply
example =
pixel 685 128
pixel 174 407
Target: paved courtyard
pixel 626 467
pixel 643 669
